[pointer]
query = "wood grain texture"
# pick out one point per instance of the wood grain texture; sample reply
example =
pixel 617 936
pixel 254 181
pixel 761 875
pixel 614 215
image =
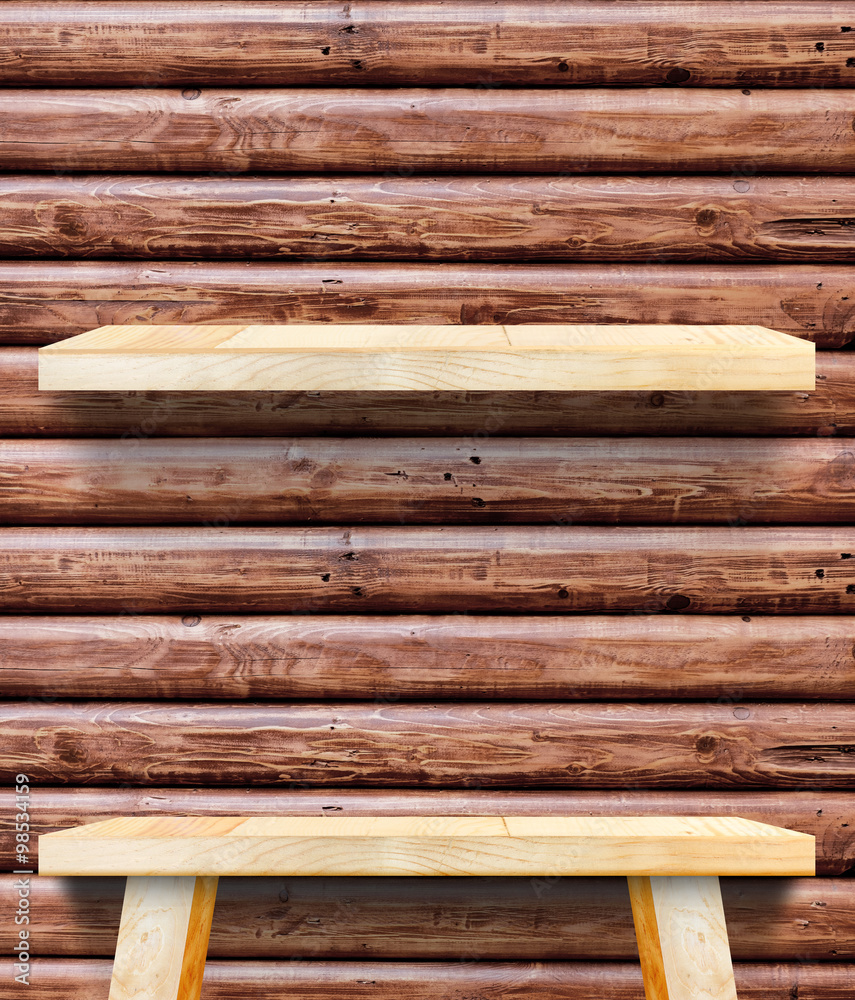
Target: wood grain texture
pixel 222 481
pixel 516 570
pixel 88 979
pixel 45 301
pixel 25 410
pixel 462 745
pixel 45 310
pixel 649 940
pixel 480 44
pixel 822 813
pixel 428 919
pixel 408 657
pixel 370 339
pixel 423 846
pixel 423 130
pixel 378 357
pixel 682 938
pixel 163 938
pixel 649 219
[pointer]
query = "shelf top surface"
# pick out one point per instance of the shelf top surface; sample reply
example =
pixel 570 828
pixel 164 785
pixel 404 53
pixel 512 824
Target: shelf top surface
pixel 433 845
pixel 342 337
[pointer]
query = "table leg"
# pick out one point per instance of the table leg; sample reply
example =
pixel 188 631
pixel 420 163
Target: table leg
pixel 163 938
pixel 682 937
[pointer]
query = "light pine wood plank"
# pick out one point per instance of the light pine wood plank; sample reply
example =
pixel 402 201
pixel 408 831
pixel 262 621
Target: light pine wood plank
pixel 315 357
pixel 198 933
pixel 163 938
pixel 578 845
pixel 824 813
pixel 368 338
pixel 682 938
pixel 332 337
pixel 647 937
pixel 828 411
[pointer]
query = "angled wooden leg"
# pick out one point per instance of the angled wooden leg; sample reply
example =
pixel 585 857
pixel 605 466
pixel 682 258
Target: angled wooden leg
pixel 682 937
pixel 163 938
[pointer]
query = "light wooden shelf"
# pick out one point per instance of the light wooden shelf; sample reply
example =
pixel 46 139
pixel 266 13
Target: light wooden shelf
pixel 438 845
pixel 428 358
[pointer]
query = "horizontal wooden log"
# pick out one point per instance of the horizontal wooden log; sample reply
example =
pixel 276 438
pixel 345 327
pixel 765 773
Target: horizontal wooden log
pixel 450 219
pixel 423 657
pixel 780 43
pixel 461 745
pixel 225 481
pixel 24 410
pixel 42 302
pixel 402 131
pixel 824 814
pixel 89 979
pixel 433 570
pixel 519 919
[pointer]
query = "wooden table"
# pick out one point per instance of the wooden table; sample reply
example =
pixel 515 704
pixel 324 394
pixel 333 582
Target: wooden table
pixel 672 865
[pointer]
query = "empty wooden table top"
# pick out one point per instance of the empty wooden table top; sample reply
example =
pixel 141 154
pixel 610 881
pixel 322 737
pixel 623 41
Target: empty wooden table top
pixel 437 845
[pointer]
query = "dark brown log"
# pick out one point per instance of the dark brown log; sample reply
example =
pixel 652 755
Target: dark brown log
pixel 768 919
pixel 462 745
pixel 402 131
pixel 89 979
pixel 423 657
pixel 449 219
pixel 823 814
pixel 218 482
pixel 482 44
pixel 42 302
pixel 433 570
pixel 134 416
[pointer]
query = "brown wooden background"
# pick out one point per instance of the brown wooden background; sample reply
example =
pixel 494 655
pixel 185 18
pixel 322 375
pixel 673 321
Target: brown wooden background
pixel 439 602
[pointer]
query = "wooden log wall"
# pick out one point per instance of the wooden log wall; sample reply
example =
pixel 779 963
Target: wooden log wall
pixel 423 603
